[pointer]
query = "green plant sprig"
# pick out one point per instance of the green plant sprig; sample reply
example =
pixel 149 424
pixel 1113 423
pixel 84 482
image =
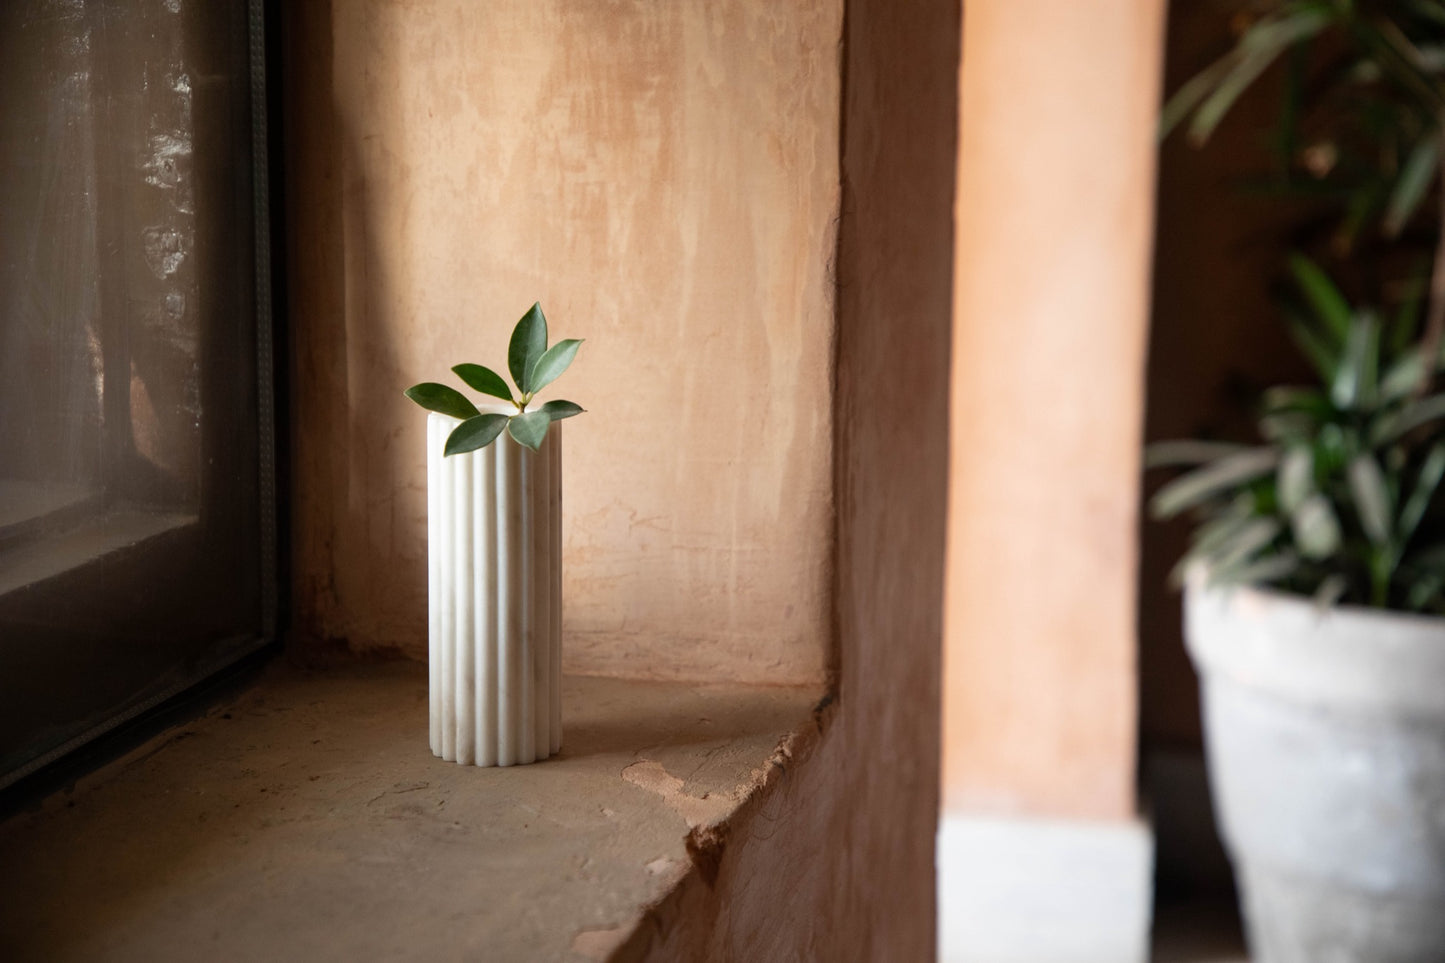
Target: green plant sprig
pixel 533 366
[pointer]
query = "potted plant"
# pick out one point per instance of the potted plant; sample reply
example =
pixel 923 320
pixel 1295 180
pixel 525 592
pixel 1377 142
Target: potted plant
pixel 494 547
pixel 1316 576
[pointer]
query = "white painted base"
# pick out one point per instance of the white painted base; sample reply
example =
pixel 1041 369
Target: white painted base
pixel 495 598
pixel 1043 891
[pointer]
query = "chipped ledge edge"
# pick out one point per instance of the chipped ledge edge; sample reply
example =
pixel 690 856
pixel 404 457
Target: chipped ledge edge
pixel 707 843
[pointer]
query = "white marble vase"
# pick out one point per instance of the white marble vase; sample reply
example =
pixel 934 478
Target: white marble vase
pixel 495 599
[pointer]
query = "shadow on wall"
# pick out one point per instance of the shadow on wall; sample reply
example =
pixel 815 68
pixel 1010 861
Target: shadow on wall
pixel 344 483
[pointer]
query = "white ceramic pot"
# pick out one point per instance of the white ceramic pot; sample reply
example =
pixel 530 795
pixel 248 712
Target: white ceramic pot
pixel 1325 733
pixel 495 598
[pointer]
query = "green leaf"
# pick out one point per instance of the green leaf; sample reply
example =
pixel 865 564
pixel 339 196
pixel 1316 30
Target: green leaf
pixel 1361 207
pixel 1288 426
pixel 557 410
pixel 1398 57
pixel 474 433
pixel 1315 527
pixel 529 429
pixel 1429 9
pixel 1424 590
pixel 553 363
pixel 1293 414
pixel 1324 358
pixel 1256 50
pixel 1296 479
pixel 1371 496
pixel 1426 483
pixel 1216 531
pixel 1162 454
pixel 1211 536
pixel 1269 569
pixel 1355 379
pixel 1333 446
pixel 1331 589
pixel 1285 398
pixel 485 380
pixel 1329 304
pixel 1419 172
pixel 1246 543
pixel 1411 417
pixel 441 399
pixel 1232 546
pixel 529 342
pixel 1245 71
pixel 1298 21
pixel 1405 376
pixel 1432 55
pixel 1407 315
pixel 1204 483
pixel 1370 364
pixel 1194 90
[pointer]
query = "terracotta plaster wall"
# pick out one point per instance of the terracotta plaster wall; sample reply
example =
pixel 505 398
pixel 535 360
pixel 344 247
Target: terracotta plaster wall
pixel 836 862
pixel 1054 215
pixel 664 179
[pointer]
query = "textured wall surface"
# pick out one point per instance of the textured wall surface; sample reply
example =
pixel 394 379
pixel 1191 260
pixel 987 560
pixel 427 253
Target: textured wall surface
pixel 836 863
pixel 1055 207
pixel 663 178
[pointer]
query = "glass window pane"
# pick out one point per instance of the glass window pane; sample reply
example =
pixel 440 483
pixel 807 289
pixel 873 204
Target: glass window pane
pixel 130 503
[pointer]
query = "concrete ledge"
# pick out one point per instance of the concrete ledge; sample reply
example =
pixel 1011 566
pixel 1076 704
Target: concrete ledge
pixel 306 819
pixel 1043 891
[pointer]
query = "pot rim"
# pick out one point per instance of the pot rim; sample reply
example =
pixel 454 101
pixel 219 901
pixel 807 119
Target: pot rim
pixel 1349 657
pixel 1197 581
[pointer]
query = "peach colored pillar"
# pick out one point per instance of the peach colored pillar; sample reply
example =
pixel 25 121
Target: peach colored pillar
pixel 1054 210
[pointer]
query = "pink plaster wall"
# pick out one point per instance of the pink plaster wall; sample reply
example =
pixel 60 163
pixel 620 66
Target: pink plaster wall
pixel 664 179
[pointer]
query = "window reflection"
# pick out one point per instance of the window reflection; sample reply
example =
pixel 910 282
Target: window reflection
pixel 129 497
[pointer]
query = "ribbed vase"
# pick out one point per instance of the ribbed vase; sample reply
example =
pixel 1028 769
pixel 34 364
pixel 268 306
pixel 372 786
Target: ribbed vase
pixel 495 599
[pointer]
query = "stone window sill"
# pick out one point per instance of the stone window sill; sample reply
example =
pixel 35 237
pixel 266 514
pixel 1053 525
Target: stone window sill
pixel 307 819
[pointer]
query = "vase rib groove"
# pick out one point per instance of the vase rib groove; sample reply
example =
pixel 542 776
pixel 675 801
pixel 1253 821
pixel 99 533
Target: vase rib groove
pixel 494 595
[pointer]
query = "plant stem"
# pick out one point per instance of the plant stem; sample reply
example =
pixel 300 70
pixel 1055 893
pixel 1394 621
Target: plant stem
pixel 1380 568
